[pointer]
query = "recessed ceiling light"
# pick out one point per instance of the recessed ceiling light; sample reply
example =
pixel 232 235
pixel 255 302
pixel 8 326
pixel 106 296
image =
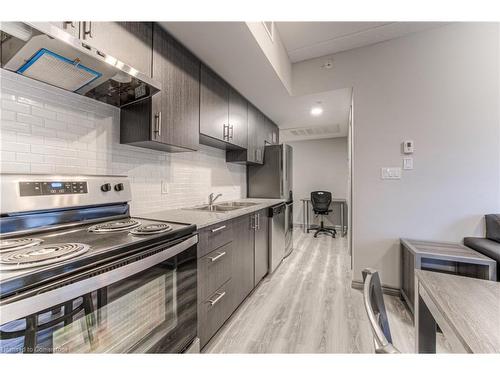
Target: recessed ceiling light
pixel 317 110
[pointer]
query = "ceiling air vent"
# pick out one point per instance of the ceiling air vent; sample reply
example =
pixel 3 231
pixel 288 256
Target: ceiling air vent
pixel 313 132
pixel 269 26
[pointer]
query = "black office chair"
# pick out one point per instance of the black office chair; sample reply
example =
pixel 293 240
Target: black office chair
pixel 321 206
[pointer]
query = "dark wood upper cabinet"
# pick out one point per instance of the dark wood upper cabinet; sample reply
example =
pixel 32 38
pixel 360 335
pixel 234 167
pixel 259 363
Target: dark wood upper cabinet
pixel 238 119
pixel 223 113
pixel 168 121
pixel 261 132
pixel 214 105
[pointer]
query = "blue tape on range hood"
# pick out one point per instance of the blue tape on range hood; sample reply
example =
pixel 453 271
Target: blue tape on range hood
pixel 43 51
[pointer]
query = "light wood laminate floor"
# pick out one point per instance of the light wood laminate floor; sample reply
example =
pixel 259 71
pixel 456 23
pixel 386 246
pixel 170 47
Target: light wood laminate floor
pixel 308 306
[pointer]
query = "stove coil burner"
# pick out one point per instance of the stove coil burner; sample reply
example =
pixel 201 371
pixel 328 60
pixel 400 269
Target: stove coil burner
pixel 18 243
pixel 151 229
pixel 114 226
pixel 41 255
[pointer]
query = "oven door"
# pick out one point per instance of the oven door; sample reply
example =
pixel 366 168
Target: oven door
pixel 143 303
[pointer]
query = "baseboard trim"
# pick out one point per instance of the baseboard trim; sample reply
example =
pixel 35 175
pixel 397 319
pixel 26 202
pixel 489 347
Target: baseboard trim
pixel 385 289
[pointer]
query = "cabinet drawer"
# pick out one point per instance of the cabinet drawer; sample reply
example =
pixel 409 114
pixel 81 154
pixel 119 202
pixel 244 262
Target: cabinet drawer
pixel 214 311
pixel 214 269
pixel 213 237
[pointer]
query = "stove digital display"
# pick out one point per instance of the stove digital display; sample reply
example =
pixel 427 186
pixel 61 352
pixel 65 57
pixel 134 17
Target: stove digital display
pixel 33 188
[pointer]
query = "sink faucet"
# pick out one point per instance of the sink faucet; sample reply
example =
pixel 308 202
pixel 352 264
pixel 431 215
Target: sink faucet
pixel 212 198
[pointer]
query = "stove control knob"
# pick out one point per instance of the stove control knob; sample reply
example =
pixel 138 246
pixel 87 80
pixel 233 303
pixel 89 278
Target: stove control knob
pixel 106 187
pixel 119 187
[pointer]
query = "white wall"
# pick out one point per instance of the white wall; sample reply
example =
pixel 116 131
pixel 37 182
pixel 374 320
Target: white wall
pixel 48 130
pixel 319 164
pixel 441 89
pixel 275 52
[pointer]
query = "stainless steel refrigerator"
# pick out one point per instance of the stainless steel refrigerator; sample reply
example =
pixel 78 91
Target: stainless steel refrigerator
pixel 274 179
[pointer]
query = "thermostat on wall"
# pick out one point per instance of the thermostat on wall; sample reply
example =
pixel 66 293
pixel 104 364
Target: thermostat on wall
pixel 408 147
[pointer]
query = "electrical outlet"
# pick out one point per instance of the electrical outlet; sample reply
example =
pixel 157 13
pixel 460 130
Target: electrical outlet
pixel 164 187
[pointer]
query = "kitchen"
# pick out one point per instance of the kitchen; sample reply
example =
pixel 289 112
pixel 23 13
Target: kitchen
pixel 239 248
pixel 157 196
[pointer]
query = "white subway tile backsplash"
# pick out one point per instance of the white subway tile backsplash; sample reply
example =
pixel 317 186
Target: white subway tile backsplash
pixel 13 146
pixel 9 167
pixel 45 113
pixel 42 168
pixel 15 126
pixel 15 106
pixel 8 115
pixel 47 130
pixel 42 131
pixel 29 119
pixel 6 156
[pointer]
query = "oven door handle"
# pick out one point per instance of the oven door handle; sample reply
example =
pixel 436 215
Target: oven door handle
pixel 30 305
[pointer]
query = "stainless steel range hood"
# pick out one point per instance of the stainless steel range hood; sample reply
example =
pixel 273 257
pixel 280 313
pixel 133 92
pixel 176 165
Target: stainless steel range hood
pixel 46 53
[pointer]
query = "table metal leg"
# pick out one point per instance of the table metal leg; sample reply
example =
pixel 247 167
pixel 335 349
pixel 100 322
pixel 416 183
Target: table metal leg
pixel 342 229
pixel 307 216
pixel 425 327
pixel 304 216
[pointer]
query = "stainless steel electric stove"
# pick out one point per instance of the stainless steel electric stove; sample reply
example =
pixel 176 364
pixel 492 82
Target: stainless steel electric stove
pixel 78 274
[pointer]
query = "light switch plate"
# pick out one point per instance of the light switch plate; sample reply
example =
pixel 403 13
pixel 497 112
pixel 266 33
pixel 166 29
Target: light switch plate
pixel 407 163
pixel 391 173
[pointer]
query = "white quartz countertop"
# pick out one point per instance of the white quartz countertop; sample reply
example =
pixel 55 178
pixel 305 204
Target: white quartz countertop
pixel 205 218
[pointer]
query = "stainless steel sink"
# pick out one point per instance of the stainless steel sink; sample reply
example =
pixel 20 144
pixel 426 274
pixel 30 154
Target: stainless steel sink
pixel 215 208
pixel 236 204
pixel 224 206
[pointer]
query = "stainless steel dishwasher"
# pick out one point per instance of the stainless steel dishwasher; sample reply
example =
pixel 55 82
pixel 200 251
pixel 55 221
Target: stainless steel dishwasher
pixel 276 236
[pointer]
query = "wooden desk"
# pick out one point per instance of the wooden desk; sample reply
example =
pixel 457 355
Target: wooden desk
pixel 446 257
pixel 466 309
pixel 305 214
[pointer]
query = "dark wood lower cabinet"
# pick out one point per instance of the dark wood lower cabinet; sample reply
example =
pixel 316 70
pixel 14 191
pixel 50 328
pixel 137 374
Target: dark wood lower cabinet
pixel 261 246
pixel 243 259
pixel 232 259
pixel 214 311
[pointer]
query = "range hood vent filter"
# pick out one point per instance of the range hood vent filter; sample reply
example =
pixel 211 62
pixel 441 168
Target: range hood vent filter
pixel 57 70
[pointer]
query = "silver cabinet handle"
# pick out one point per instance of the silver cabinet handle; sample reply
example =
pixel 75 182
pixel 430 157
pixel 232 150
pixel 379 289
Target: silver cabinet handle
pixel 218 229
pixel 157 124
pixel 89 31
pixel 70 23
pixel 230 132
pixel 220 295
pixel 218 256
pixel 224 135
pixel 258 221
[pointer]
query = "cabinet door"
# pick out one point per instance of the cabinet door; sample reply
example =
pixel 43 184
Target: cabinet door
pixel 243 258
pixel 214 107
pixel 71 27
pixel 129 42
pixel 238 119
pixel 261 251
pixel 274 133
pixel 178 103
pixel 252 134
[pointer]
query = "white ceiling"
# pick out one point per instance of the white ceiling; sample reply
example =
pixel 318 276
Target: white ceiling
pixel 233 52
pixel 308 40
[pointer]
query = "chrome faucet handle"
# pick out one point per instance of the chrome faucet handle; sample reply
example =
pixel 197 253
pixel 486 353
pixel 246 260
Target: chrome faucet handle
pixel 211 198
